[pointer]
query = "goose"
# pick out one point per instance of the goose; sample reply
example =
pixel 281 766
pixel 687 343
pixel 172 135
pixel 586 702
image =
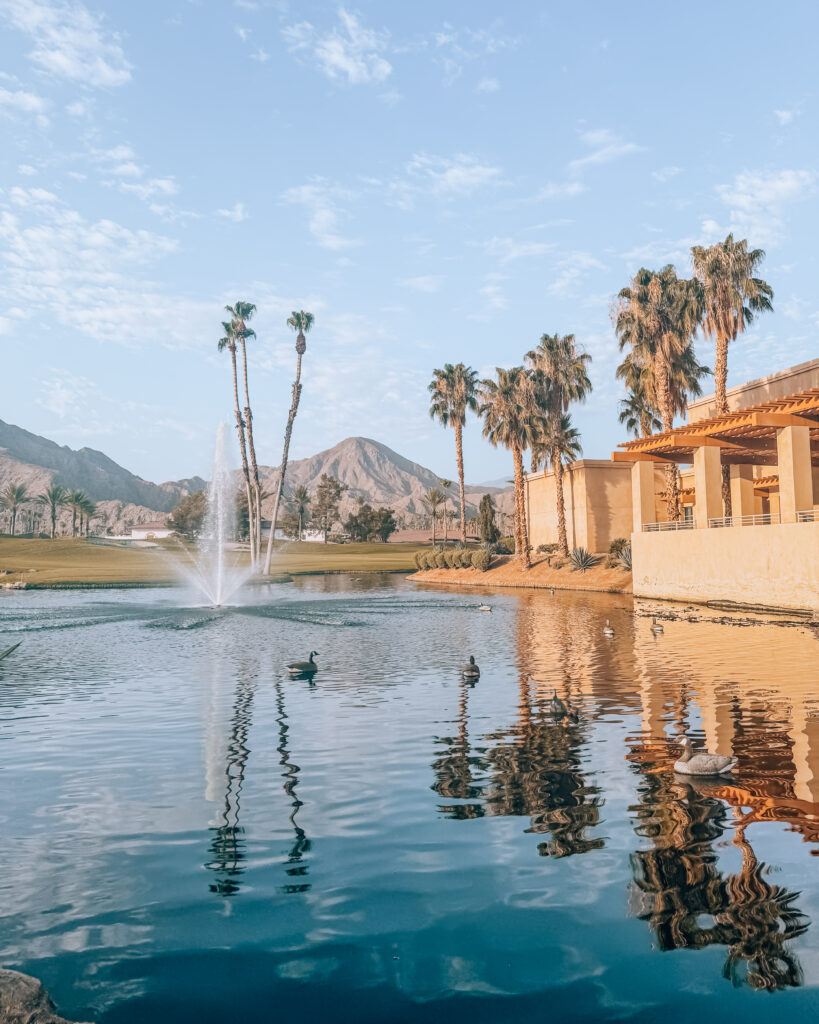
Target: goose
pixel 471 671
pixel 551 590
pixel 9 650
pixel 608 629
pixel 484 607
pixel 556 706
pixel 702 764
pixel 303 668
pixel 656 628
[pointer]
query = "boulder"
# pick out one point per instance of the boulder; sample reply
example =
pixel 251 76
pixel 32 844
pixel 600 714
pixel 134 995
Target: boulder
pixel 23 1000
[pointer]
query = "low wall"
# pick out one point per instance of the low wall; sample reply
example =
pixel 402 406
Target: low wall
pixel 775 566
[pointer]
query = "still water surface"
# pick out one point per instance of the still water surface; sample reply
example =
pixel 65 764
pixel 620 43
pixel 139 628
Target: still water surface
pixel 186 835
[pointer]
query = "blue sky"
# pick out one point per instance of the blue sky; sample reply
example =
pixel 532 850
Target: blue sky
pixel 435 181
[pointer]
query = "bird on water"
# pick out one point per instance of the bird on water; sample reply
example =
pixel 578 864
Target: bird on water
pixel 303 668
pixel 608 629
pixel 690 763
pixel 471 671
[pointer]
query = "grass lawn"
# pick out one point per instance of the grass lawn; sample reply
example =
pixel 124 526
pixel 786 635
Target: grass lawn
pixel 63 561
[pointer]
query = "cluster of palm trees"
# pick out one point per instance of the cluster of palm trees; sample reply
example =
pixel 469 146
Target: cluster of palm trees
pixel 437 498
pixel 656 319
pixel 524 408
pixel 15 499
pixel 235 337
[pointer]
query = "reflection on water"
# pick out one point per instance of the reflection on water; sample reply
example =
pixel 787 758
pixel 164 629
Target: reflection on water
pixel 391 842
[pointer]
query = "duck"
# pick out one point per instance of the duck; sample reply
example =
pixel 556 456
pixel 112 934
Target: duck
pixel 556 706
pixel 9 650
pixel 303 668
pixel 608 629
pixel 690 763
pixel 656 628
pixel 471 671
pixel 551 591
pixel 484 607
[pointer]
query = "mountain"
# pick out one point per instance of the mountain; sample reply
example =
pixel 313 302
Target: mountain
pixel 373 472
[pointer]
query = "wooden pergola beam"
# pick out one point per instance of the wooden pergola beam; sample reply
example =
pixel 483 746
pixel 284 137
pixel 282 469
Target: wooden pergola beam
pixel 782 419
pixel 638 457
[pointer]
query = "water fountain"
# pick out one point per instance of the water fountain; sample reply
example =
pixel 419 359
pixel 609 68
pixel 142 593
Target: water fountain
pixel 212 567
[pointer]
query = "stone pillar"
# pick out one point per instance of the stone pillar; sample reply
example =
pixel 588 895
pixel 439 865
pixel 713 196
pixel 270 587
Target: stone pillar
pixel 743 501
pixel 795 471
pixel 707 485
pixel 642 494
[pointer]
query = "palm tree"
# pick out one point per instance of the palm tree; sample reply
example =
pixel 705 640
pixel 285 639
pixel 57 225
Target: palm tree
pixel 445 485
pixel 12 499
pixel 454 392
pixel 432 501
pixel 511 419
pixel 87 510
pixel 561 376
pixel 53 498
pixel 74 500
pixel 638 413
pixel 302 323
pixel 562 441
pixel 300 504
pixel 228 341
pixel 657 317
pixel 240 313
pixel 732 298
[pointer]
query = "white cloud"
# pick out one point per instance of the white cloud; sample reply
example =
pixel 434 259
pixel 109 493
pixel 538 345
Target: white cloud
pixel 128 170
pixel 154 187
pixel 21 102
pixel 242 33
pixel 487 85
pixel 492 298
pixel 508 249
pixel 349 53
pixel 561 190
pixel 236 213
pixel 458 176
pixel 321 199
pixel 65 394
pixel 260 55
pixel 69 41
pixel 665 173
pixel 571 270
pixel 757 201
pixel 26 169
pixel 785 116
pixel 605 146
pixel 77 109
pixel 457 47
pixel 24 197
pixel 429 283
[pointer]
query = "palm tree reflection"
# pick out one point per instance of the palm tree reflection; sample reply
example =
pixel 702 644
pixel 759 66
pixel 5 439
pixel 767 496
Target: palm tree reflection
pixel 297 868
pixel 688 903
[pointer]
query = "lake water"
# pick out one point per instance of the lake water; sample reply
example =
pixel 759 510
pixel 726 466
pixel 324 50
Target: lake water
pixel 187 835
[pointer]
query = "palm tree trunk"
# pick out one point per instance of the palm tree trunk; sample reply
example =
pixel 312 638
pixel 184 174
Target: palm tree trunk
pixel 562 539
pixel 13 520
pixel 446 525
pixel 240 430
pixel 294 408
pixel 459 458
pixel 521 545
pixel 434 514
pixel 672 490
pixel 721 396
pixel 255 521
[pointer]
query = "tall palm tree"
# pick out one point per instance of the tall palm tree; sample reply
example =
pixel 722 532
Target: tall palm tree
pixel 12 499
pixel 74 500
pixel 300 504
pixel 228 341
pixel 240 313
pixel 638 414
pixel 432 501
pixel 445 485
pixel 511 419
pixel 302 323
pixel 53 498
pixel 88 510
pixel 453 392
pixel 657 316
pixel 561 376
pixel 562 441
pixel 732 297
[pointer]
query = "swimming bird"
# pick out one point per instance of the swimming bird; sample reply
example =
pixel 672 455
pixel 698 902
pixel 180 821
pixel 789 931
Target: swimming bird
pixel 303 668
pixel 484 607
pixel 557 707
pixel 471 671
pixel 551 590
pixel 9 650
pixel 608 629
pixel 656 628
pixel 690 763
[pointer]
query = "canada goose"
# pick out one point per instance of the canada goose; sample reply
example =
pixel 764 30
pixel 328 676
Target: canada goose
pixel 471 670
pixel 484 607
pixel 608 629
pixel 656 628
pixel 690 763
pixel 556 706
pixel 303 668
pixel 9 650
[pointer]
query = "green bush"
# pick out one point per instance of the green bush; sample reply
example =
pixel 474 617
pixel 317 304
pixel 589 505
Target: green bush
pixel 420 560
pixel 463 558
pixel 440 560
pixel 558 563
pixel 581 559
pixel 450 558
pixel 546 549
pixel 617 545
pixel 481 560
pixel 505 546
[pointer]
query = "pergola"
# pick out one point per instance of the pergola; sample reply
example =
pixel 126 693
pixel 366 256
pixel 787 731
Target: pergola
pixel 783 433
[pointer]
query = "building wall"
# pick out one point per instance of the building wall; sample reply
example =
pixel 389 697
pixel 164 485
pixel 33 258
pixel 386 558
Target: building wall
pixel 764 389
pixel 776 566
pixel 598 504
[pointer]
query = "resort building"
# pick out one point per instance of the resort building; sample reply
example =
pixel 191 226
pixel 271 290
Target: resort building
pixel 156 530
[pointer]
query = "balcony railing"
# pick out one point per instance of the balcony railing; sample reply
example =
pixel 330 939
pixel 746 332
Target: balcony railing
pixel 679 524
pixel 810 515
pixel 768 519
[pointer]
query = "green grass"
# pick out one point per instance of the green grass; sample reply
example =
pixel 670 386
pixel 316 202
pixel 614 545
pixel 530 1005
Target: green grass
pixel 63 561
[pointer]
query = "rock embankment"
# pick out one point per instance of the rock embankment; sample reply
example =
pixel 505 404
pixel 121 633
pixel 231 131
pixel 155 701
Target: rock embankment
pixel 23 1000
pixel 505 571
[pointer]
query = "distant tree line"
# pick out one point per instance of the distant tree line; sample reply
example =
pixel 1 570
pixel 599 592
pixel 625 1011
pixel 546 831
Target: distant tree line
pixel 16 501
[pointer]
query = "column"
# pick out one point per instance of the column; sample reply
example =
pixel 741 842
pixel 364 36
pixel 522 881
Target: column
pixel 795 471
pixel 707 485
pixel 642 494
pixel 743 501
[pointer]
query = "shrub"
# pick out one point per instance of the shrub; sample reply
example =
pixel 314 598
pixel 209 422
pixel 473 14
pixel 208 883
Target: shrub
pixel 558 563
pixel 450 558
pixel 420 560
pixel 625 558
pixel 617 545
pixel 464 558
pixel 481 560
pixel 431 559
pixel 546 549
pixel 505 546
pixel 440 560
pixel 581 559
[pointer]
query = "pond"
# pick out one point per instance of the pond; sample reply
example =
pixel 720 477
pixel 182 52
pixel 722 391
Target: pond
pixel 188 835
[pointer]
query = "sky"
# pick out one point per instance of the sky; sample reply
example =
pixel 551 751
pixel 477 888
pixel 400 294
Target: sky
pixel 435 181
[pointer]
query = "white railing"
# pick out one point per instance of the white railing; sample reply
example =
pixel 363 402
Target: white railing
pixel 768 519
pixel 810 515
pixel 679 524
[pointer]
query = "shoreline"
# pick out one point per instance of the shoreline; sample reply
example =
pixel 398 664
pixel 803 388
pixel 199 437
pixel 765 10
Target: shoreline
pixel 505 572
